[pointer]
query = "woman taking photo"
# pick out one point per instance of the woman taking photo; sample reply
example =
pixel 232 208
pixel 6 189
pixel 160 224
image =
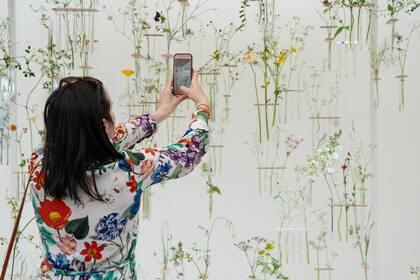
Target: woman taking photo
pixel 88 178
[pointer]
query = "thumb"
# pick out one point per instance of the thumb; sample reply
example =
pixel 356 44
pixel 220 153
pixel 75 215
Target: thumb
pixel 180 98
pixel 184 90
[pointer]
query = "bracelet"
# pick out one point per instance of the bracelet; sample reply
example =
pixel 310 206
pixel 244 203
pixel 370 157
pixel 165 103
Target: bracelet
pixel 204 108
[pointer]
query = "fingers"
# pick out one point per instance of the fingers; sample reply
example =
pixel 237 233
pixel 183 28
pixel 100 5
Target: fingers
pixel 194 79
pixel 184 90
pixel 169 84
pixel 180 98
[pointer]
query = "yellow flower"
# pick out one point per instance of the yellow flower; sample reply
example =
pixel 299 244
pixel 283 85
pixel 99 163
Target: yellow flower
pixel 269 246
pixel 127 72
pixel 13 127
pixel 293 50
pixel 249 57
pixel 33 118
pixel 261 252
pixel 281 58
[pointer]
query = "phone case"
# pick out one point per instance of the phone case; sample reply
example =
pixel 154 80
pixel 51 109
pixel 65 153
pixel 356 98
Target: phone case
pixel 173 68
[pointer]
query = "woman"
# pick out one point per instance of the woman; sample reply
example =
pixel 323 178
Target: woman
pixel 86 188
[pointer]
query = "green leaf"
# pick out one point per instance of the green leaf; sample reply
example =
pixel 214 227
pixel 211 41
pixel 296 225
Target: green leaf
pixel 78 227
pixel 341 29
pixel 214 189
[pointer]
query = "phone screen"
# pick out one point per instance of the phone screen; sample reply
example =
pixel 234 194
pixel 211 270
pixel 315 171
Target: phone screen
pixel 182 71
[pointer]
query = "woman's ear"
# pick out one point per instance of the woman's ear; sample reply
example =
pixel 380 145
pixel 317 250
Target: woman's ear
pixel 108 128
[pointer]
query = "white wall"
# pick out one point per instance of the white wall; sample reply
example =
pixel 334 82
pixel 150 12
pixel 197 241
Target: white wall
pixel 183 203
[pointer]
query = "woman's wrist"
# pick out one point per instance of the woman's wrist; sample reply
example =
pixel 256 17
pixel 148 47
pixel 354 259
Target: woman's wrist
pixel 158 116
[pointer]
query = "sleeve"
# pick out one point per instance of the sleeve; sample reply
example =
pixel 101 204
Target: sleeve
pixel 150 166
pixel 133 131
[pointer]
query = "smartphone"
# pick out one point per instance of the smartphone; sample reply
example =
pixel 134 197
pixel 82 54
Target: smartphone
pixel 182 71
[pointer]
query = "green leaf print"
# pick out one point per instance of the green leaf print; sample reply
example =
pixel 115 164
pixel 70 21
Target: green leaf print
pixel 136 157
pixel 78 227
pixel 176 172
pixel 47 236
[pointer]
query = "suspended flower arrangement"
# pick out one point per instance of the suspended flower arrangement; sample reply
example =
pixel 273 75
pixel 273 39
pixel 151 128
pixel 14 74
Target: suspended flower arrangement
pixel 73 29
pixel 401 54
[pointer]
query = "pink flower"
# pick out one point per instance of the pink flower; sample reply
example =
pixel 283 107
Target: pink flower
pixel 67 245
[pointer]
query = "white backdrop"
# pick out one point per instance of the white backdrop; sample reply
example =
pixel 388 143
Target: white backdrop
pixel 183 203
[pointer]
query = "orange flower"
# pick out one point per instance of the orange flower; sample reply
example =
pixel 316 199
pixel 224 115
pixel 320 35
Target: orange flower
pixel 150 150
pixel 127 72
pixel 185 141
pixel 55 213
pixel 92 250
pixel 13 127
pixel 132 184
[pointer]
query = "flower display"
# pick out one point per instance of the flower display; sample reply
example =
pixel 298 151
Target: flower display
pixel 55 213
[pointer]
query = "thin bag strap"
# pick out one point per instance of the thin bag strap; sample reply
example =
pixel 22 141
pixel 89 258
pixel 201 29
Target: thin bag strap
pixel 15 228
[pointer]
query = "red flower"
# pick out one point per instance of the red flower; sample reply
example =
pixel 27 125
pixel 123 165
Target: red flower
pixel 150 150
pixel 120 133
pixel 39 179
pixel 185 141
pixel 55 213
pixel 132 184
pixel 92 250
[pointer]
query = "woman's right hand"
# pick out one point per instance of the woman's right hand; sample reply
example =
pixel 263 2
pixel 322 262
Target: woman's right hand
pixel 195 92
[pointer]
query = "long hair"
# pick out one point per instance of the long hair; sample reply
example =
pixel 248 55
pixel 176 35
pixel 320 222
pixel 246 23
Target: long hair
pixel 75 139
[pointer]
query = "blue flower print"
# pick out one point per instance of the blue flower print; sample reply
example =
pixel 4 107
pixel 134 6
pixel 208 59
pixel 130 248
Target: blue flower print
pixel 110 227
pixel 160 172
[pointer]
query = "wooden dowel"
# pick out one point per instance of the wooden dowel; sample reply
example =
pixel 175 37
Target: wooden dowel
pixel 137 55
pixel 391 21
pixel 328 26
pixel 153 35
pixel 324 118
pixel 78 10
pixel 266 104
pixel 230 65
pixel 271 167
pixel 324 268
pixel 348 205
pixel 216 146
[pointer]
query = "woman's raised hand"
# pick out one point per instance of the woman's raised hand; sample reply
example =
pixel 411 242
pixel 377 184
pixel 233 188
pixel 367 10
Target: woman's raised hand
pixel 168 102
pixel 194 92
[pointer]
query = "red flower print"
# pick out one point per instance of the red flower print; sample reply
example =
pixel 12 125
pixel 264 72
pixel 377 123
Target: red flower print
pixel 39 179
pixel 150 150
pixel 55 213
pixel 132 184
pixel 31 165
pixel 185 141
pixel 92 250
pixel 120 132
pixel 45 267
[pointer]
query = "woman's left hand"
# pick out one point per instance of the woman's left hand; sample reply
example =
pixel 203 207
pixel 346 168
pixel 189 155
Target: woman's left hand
pixel 168 102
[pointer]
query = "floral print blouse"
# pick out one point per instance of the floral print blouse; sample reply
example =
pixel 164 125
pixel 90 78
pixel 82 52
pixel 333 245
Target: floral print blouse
pixel 97 240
